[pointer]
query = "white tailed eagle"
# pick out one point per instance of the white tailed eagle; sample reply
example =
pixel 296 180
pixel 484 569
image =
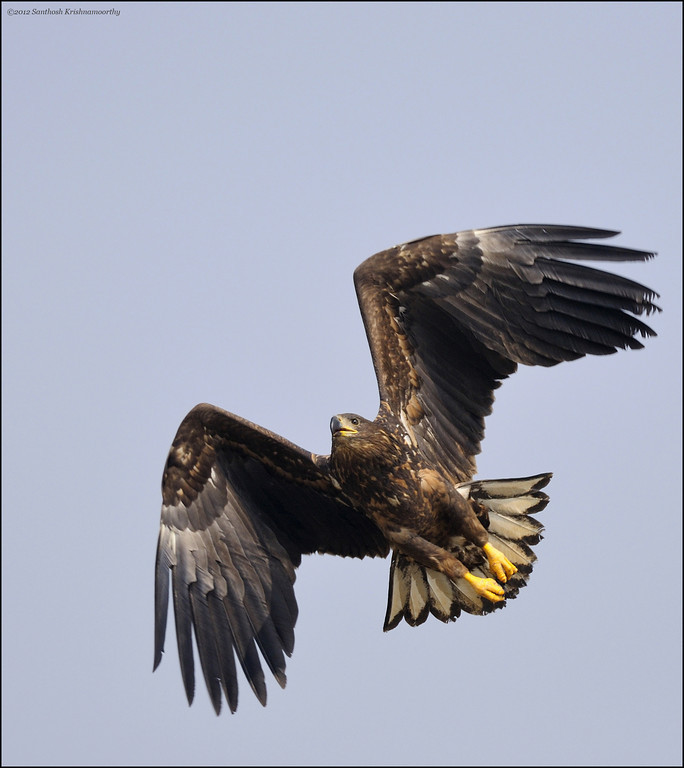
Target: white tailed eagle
pixel 447 318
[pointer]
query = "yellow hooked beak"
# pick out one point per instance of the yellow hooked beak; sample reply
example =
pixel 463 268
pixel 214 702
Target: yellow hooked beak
pixel 341 426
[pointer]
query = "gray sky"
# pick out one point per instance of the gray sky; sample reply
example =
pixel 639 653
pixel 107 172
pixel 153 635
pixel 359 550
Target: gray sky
pixel 187 189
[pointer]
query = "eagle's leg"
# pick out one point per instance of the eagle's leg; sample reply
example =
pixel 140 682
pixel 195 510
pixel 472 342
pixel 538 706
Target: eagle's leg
pixel 433 556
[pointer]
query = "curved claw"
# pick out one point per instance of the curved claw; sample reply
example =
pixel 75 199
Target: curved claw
pixel 499 564
pixel 487 588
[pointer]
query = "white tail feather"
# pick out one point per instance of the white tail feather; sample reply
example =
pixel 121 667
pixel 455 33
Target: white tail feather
pixel 513 527
pixel 418 591
pixel 506 489
pixel 441 590
pixel 519 506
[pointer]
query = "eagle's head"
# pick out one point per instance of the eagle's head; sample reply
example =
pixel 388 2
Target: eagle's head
pixel 348 425
pixel 358 444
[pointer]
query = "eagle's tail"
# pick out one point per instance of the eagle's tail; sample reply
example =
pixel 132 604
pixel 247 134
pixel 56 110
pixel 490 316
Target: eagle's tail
pixel 504 508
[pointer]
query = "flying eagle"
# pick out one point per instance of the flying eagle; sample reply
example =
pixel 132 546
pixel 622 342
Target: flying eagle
pixel 447 318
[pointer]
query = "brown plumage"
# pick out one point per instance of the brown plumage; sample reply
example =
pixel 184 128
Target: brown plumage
pixel 447 318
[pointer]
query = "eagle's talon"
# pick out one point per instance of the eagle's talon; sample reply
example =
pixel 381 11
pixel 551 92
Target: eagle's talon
pixel 487 588
pixel 499 564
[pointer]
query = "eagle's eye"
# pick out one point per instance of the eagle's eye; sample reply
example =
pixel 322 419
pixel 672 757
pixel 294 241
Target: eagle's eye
pixel 355 422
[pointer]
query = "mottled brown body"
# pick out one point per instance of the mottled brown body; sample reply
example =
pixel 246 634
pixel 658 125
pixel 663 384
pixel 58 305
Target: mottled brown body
pixel 419 510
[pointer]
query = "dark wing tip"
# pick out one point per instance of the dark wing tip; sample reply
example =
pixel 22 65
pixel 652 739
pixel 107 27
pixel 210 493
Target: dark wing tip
pixel 547 232
pixel 560 234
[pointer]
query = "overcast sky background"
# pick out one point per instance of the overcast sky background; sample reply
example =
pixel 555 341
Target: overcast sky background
pixel 187 189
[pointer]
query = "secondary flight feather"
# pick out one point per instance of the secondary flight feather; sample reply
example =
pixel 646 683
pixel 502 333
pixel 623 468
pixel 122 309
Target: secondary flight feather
pixel 447 318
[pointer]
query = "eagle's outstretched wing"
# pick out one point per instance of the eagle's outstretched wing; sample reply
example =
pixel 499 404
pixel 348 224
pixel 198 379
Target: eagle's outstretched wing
pixel 447 317
pixel 240 507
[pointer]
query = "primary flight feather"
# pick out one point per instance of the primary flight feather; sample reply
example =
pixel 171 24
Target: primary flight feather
pixel 447 318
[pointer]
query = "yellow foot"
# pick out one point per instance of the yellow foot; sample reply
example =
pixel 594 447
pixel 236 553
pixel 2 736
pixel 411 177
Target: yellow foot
pixel 499 564
pixel 486 588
